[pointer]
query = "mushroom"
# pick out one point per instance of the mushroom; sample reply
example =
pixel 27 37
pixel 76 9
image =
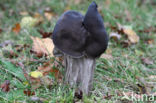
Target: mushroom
pixel 81 39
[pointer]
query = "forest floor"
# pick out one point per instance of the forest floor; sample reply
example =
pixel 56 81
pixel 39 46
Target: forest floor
pixel 125 72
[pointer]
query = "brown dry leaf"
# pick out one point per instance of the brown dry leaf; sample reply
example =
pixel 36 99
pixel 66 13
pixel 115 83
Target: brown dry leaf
pixel 150 41
pixel 45 70
pixel 42 46
pixel 115 36
pixel 48 15
pixel 39 18
pixel 147 61
pixel 106 56
pixel 1 30
pixel 45 34
pixel 109 51
pixel 16 28
pixel 35 82
pixel 23 13
pixel 132 36
pixel 108 97
pixel 48 67
pixel 29 92
pixel 77 1
pixel 6 86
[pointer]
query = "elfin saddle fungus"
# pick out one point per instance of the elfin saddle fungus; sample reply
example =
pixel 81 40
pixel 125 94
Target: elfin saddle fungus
pixel 77 35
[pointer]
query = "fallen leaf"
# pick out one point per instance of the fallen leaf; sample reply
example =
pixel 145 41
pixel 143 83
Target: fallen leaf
pixel 42 46
pixel 39 18
pixel 147 61
pixel 108 51
pixel 16 29
pixel 48 15
pixel 35 82
pixel 48 67
pixel 106 56
pixel 77 2
pixel 130 33
pixel 29 92
pixel 45 34
pixel 6 86
pixel 36 74
pixel 1 30
pixel 24 13
pixel 108 97
pixel 115 36
pixel 150 41
pixel 28 22
pixel 132 36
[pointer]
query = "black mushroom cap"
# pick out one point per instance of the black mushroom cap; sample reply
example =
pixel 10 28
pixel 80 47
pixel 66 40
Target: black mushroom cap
pixel 69 35
pixel 76 35
pixel 97 41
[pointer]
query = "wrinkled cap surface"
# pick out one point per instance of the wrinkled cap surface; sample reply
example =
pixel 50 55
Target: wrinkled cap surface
pixel 69 35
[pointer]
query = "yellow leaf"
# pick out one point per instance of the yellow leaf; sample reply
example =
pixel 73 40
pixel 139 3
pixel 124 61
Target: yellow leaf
pixel 28 22
pixel 26 83
pixel 36 74
pixel 132 36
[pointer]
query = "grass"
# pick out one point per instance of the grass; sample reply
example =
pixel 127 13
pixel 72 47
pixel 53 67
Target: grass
pixel 112 76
